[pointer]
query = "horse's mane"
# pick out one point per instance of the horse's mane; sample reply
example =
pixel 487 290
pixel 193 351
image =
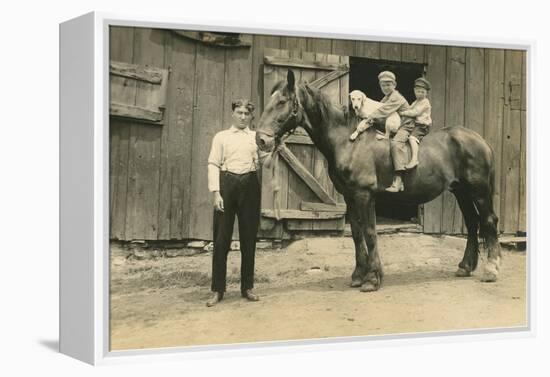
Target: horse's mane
pixel 327 108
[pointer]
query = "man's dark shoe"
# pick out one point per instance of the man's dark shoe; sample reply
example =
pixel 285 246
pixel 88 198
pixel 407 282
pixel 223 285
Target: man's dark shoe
pixel 250 296
pixel 218 296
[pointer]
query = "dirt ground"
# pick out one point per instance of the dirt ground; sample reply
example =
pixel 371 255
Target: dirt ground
pixel 305 293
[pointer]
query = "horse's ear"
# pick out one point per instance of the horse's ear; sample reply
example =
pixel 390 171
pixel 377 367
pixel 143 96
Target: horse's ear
pixel 290 80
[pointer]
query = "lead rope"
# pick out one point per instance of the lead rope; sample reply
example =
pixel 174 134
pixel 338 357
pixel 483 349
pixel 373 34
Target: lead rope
pixel 275 184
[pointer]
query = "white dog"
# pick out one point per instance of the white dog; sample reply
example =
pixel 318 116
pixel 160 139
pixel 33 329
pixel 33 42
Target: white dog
pixel 363 107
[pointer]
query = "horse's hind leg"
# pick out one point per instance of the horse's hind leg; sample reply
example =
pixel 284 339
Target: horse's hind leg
pixel 489 232
pixel 471 218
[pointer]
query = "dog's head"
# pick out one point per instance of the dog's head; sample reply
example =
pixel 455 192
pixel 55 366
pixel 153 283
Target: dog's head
pixel 357 98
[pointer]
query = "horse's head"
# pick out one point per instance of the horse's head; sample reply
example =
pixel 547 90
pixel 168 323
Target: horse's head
pixel 282 114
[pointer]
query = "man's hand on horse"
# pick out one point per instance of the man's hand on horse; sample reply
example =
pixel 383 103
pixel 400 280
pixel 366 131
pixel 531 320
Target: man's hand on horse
pixel 218 201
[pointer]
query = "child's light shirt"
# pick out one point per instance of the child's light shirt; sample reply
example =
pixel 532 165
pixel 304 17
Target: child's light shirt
pixel 421 110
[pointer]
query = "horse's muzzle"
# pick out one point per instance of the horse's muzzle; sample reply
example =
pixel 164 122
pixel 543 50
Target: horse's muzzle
pixel 265 142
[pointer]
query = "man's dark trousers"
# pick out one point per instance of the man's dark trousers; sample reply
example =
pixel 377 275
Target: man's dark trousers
pixel 241 197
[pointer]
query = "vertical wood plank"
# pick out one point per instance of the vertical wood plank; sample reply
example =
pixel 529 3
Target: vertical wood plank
pixel 260 42
pixel 474 93
pixel 522 215
pixel 207 121
pixel 121 42
pixel 494 103
pixel 390 51
pixel 319 45
pixel 454 116
pixel 343 47
pixel 367 49
pixel 436 58
pixel 167 156
pixel 177 159
pixel 511 143
pixel 295 45
pixel 475 89
pixel 144 153
pixel 412 53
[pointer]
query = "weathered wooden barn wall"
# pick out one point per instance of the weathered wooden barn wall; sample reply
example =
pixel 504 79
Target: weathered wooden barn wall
pixel 158 182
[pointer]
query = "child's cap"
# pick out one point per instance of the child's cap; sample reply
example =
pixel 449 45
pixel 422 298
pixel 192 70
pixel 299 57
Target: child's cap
pixel 421 82
pixel 386 76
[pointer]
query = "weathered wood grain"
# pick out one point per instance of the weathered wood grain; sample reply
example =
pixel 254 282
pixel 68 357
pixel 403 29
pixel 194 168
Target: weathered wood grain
pixel 298 63
pixel 436 58
pixel 311 206
pixel 136 113
pixel 176 151
pixel 413 53
pixel 522 211
pixel 452 218
pixel 343 47
pixel 260 43
pixel 475 89
pixel 367 49
pixel 305 175
pixel 152 75
pixel 144 156
pixel 303 215
pixel 390 51
pixel 121 42
pixel 207 121
pixel 494 108
pixel 511 142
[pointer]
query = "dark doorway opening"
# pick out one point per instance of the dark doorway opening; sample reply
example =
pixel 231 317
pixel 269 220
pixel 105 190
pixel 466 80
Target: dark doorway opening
pixel 364 77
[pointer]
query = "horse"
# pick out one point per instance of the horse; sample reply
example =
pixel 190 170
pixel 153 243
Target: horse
pixel 451 158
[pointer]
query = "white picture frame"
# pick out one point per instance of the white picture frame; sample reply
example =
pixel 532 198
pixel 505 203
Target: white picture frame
pixel 84 188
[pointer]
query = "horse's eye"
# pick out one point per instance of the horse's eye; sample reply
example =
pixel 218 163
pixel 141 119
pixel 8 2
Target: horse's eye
pixel 281 102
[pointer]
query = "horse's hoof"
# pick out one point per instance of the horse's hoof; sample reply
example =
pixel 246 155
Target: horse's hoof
pixel 368 287
pixel 462 273
pixel 489 276
pixel 490 272
pixel 355 283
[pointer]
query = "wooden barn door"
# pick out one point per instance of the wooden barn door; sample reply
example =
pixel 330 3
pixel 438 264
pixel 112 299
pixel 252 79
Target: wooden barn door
pixel 307 198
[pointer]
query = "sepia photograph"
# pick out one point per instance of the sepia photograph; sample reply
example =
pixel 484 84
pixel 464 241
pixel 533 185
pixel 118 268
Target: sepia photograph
pixel 267 188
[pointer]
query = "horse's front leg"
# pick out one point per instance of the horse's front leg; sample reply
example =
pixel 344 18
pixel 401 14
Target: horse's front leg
pixel 360 271
pixel 373 279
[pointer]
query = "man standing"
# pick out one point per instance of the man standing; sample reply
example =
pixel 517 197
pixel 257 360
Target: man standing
pixel 232 178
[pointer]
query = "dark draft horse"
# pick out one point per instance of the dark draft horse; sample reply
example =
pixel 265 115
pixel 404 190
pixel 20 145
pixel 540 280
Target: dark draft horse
pixel 451 158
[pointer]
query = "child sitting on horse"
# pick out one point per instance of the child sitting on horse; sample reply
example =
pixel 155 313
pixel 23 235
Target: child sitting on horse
pixel 420 110
pixel 392 103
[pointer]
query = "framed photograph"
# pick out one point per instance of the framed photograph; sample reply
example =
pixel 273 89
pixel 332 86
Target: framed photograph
pixel 243 189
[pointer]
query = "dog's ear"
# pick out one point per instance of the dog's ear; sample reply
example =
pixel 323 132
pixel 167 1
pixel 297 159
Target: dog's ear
pixel 363 98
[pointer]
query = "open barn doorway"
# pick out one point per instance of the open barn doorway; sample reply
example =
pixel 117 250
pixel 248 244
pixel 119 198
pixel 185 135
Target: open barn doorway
pixel 364 76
